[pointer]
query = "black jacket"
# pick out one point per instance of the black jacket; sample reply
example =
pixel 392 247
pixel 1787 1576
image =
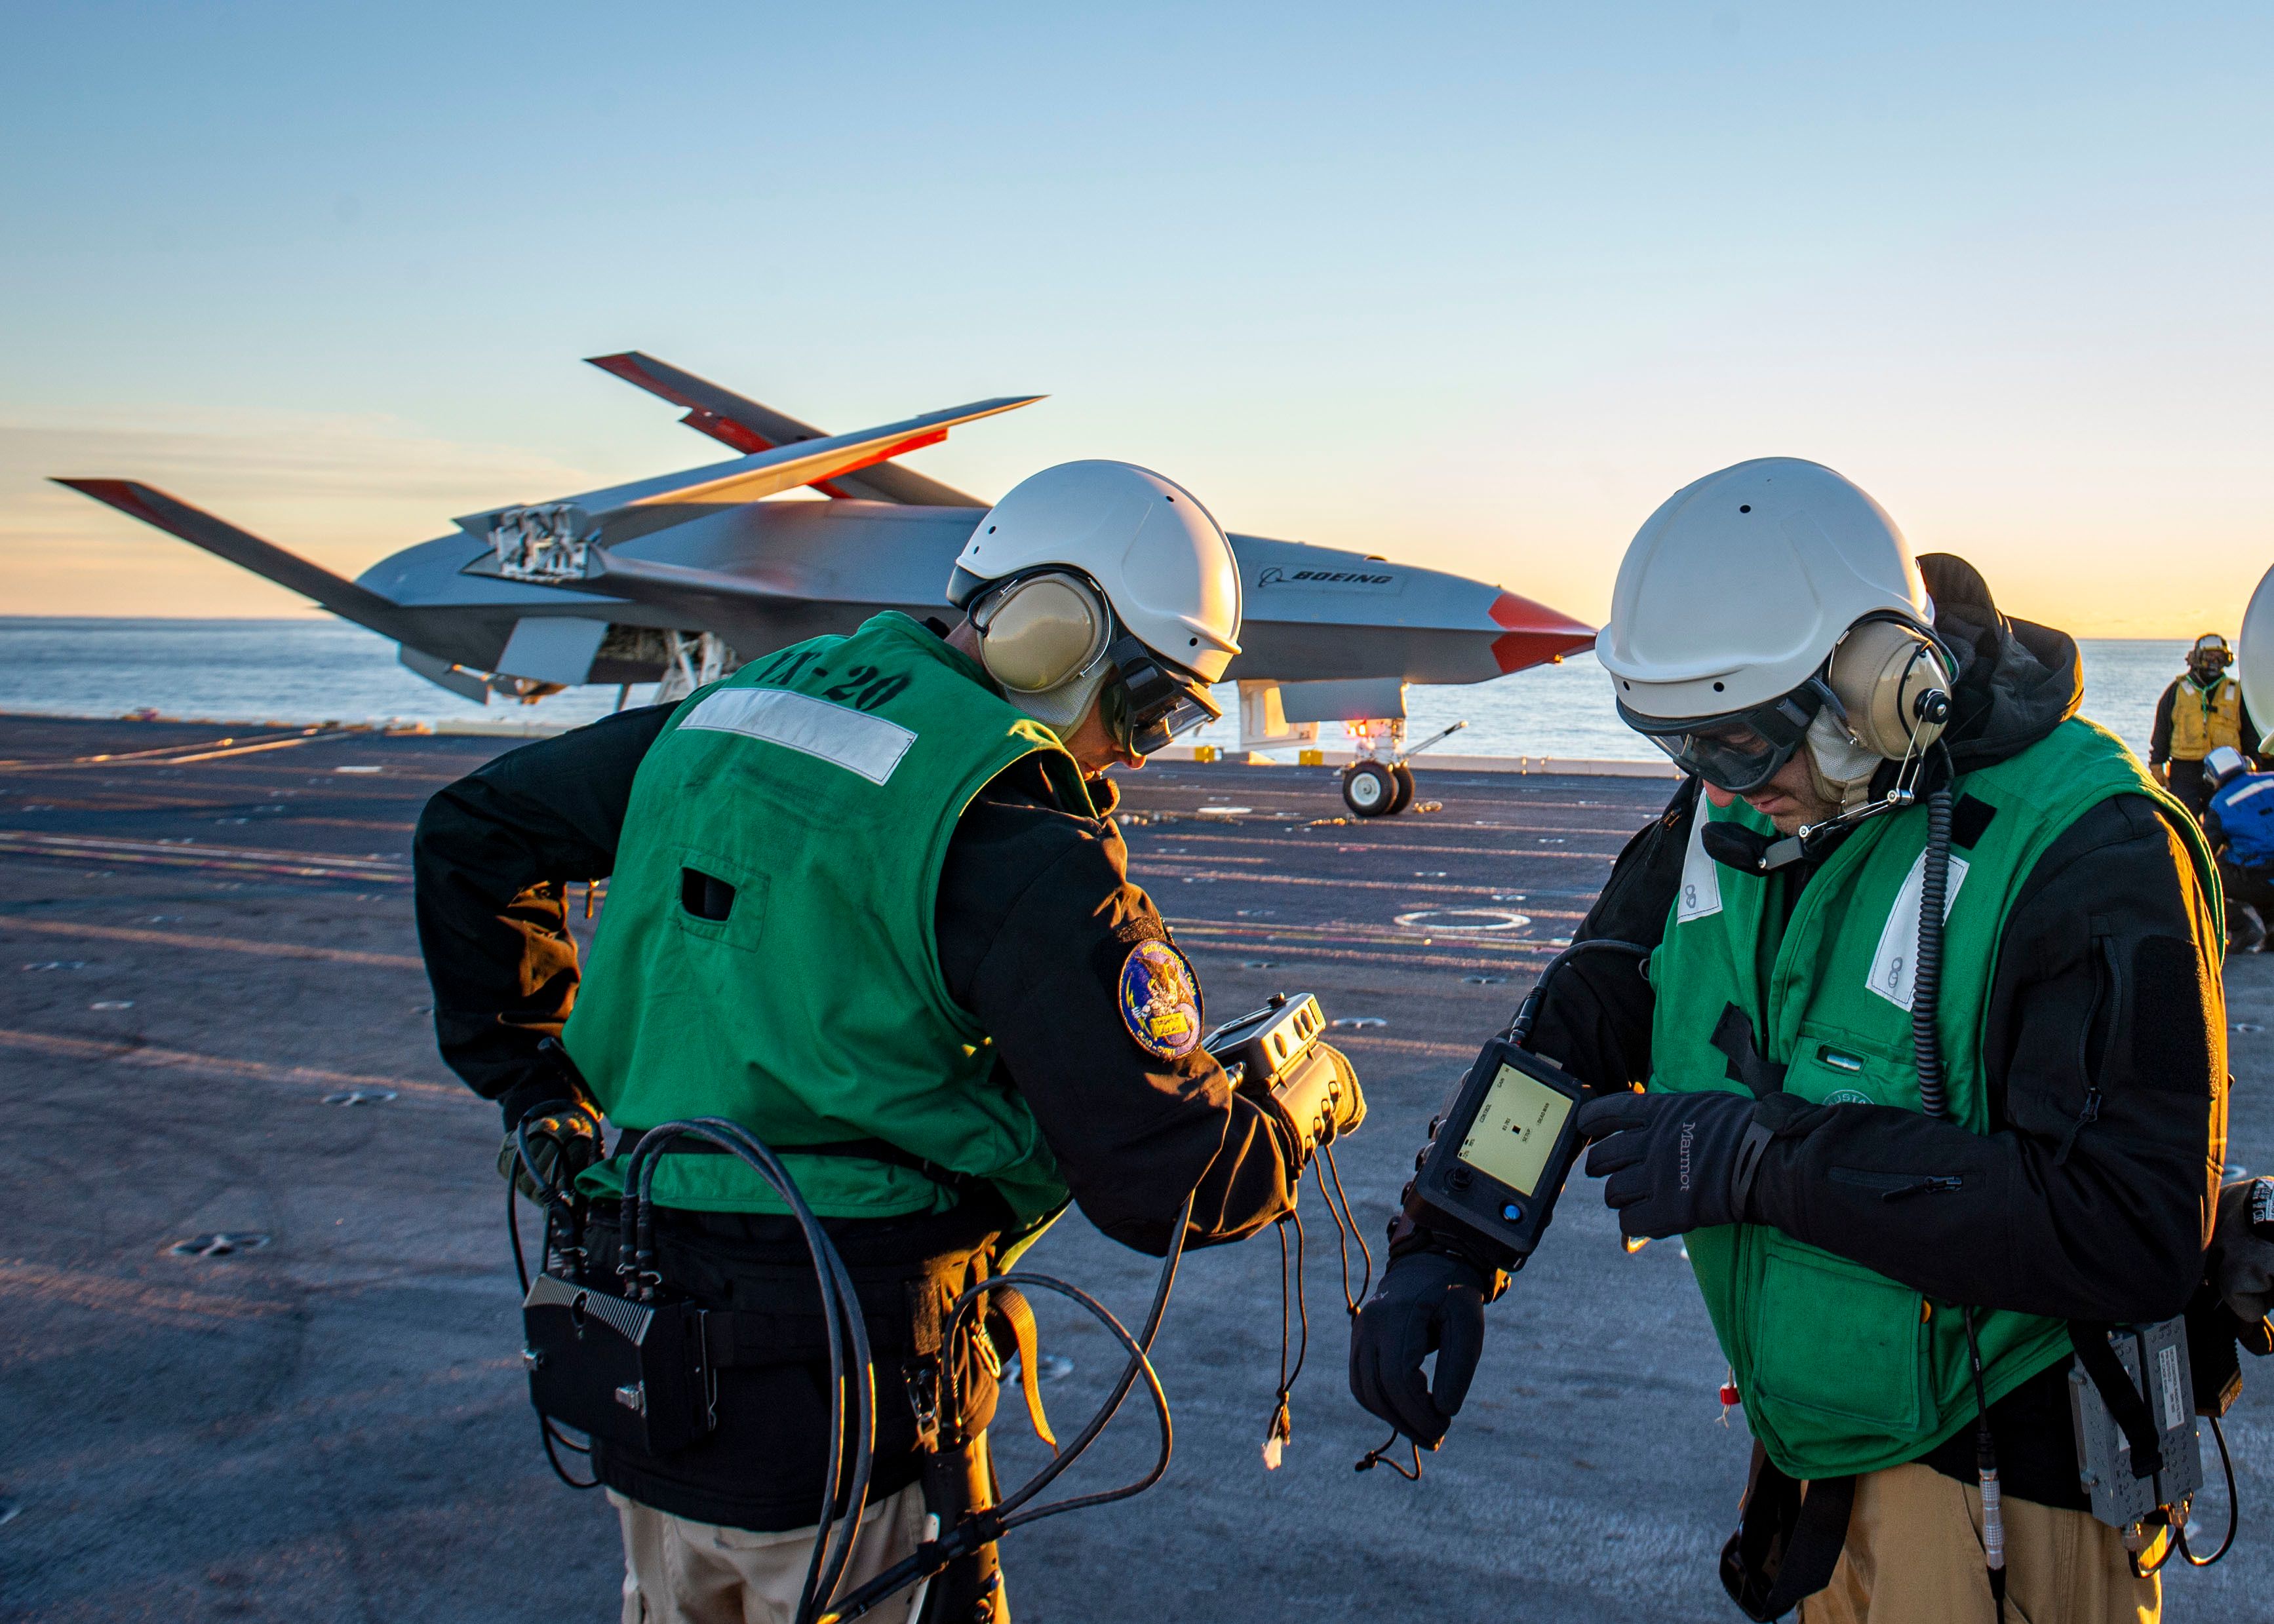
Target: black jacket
pixel 1035 916
pixel 2092 1196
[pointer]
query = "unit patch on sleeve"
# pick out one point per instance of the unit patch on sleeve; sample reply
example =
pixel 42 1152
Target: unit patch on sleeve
pixel 1160 1001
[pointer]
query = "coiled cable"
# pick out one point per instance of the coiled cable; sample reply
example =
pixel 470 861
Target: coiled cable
pixel 985 1527
pixel 1927 966
pixel 850 1364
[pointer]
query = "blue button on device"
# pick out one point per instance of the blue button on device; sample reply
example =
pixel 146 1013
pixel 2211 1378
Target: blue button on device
pixel 1512 1212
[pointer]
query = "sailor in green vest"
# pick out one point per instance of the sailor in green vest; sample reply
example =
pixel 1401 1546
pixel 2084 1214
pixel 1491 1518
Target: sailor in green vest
pixel 868 901
pixel 1863 1227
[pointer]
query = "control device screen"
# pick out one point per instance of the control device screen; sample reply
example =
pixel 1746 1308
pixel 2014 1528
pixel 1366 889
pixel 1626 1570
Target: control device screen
pixel 1516 1130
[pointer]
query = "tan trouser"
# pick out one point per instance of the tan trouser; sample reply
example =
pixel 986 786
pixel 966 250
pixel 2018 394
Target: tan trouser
pixel 1913 1556
pixel 681 1572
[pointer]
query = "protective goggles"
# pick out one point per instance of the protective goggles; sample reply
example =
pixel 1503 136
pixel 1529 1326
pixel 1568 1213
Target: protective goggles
pixel 1739 750
pixel 1153 701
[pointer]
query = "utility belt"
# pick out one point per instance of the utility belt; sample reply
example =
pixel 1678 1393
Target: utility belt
pixel 643 1374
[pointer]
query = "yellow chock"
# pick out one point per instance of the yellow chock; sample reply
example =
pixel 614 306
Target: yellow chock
pixel 1310 758
pixel 1203 752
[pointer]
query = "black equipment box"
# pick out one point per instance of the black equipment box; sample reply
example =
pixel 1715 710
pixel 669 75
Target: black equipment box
pixel 630 1373
pixel 1498 1158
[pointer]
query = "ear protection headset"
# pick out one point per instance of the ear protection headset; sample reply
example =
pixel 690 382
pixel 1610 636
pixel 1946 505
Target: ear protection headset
pixel 1893 683
pixel 1042 631
pixel 1890 683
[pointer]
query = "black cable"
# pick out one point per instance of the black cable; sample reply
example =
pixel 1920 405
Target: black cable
pixel 983 1528
pixel 1282 1426
pixel 2234 1507
pixel 1302 1304
pixel 1379 1455
pixel 513 1228
pixel 1140 1361
pixel 834 1535
pixel 546 1432
pixel 1519 1028
pixel 1346 1231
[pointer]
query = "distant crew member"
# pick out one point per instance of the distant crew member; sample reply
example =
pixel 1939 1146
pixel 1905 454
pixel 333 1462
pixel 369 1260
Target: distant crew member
pixel 868 901
pixel 2202 711
pixel 2239 823
pixel 1772 633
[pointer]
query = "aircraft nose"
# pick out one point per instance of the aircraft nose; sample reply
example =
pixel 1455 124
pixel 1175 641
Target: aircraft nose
pixel 1535 634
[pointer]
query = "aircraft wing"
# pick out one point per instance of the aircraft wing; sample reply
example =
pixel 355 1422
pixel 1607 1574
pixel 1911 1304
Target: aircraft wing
pixel 784 468
pixel 344 597
pixel 750 426
pixel 622 513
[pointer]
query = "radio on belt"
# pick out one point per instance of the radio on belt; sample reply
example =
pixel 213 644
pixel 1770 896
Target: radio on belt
pixel 1497 1160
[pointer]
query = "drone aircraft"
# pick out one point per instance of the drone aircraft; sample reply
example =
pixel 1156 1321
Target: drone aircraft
pixel 678 579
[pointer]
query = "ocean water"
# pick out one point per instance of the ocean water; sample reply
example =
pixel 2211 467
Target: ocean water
pixel 317 671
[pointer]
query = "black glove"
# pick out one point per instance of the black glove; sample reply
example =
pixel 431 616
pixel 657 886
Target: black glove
pixel 561 1145
pixel 1427 1302
pixel 2240 1262
pixel 1675 1161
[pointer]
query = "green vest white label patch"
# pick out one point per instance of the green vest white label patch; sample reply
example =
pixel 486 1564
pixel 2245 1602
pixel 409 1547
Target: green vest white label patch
pixel 1701 877
pixel 1894 967
pixel 868 745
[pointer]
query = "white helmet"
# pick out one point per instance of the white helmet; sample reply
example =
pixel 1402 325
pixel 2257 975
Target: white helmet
pixel 1037 564
pixel 1730 603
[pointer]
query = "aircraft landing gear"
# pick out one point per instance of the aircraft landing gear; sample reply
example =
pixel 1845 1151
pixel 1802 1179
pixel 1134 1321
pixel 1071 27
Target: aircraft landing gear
pixel 1372 789
pixel 1382 785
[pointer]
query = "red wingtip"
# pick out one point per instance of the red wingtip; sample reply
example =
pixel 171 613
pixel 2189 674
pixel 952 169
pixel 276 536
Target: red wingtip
pixel 1536 633
pixel 626 366
pixel 123 495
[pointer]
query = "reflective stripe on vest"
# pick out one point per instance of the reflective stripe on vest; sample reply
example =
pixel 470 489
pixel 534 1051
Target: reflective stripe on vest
pixel 1842 1369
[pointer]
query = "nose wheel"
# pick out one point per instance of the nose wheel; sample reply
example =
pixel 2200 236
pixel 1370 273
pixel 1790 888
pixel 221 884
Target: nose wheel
pixel 1379 784
pixel 1374 789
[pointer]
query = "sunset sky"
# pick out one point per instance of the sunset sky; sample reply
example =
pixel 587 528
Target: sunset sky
pixel 1471 287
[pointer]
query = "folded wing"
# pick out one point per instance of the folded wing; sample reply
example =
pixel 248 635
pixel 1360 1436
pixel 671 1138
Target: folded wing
pixel 748 426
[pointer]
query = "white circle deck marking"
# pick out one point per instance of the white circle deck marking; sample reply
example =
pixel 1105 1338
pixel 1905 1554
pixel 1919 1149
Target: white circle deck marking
pixel 1457 920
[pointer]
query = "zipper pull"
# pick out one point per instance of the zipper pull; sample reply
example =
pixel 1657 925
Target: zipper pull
pixel 1932 1183
pixel 2090 1113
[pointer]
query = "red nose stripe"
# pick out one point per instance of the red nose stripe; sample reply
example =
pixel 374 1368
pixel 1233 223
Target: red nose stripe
pixel 1535 634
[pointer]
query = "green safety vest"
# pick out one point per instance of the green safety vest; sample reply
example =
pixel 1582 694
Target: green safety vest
pixel 823 784
pixel 1843 1369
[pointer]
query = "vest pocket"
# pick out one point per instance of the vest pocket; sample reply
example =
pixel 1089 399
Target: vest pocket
pixel 718 900
pixel 1832 1066
pixel 1834 1339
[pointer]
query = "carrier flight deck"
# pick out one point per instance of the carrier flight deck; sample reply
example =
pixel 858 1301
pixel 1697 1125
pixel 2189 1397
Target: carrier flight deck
pixel 230 1395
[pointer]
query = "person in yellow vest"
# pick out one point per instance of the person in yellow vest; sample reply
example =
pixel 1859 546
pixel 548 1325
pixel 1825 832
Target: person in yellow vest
pixel 2202 711
pixel 1879 1170
pixel 868 902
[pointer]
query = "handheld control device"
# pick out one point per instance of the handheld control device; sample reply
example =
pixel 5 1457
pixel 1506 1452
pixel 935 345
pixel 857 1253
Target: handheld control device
pixel 1497 1160
pixel 1276 1050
